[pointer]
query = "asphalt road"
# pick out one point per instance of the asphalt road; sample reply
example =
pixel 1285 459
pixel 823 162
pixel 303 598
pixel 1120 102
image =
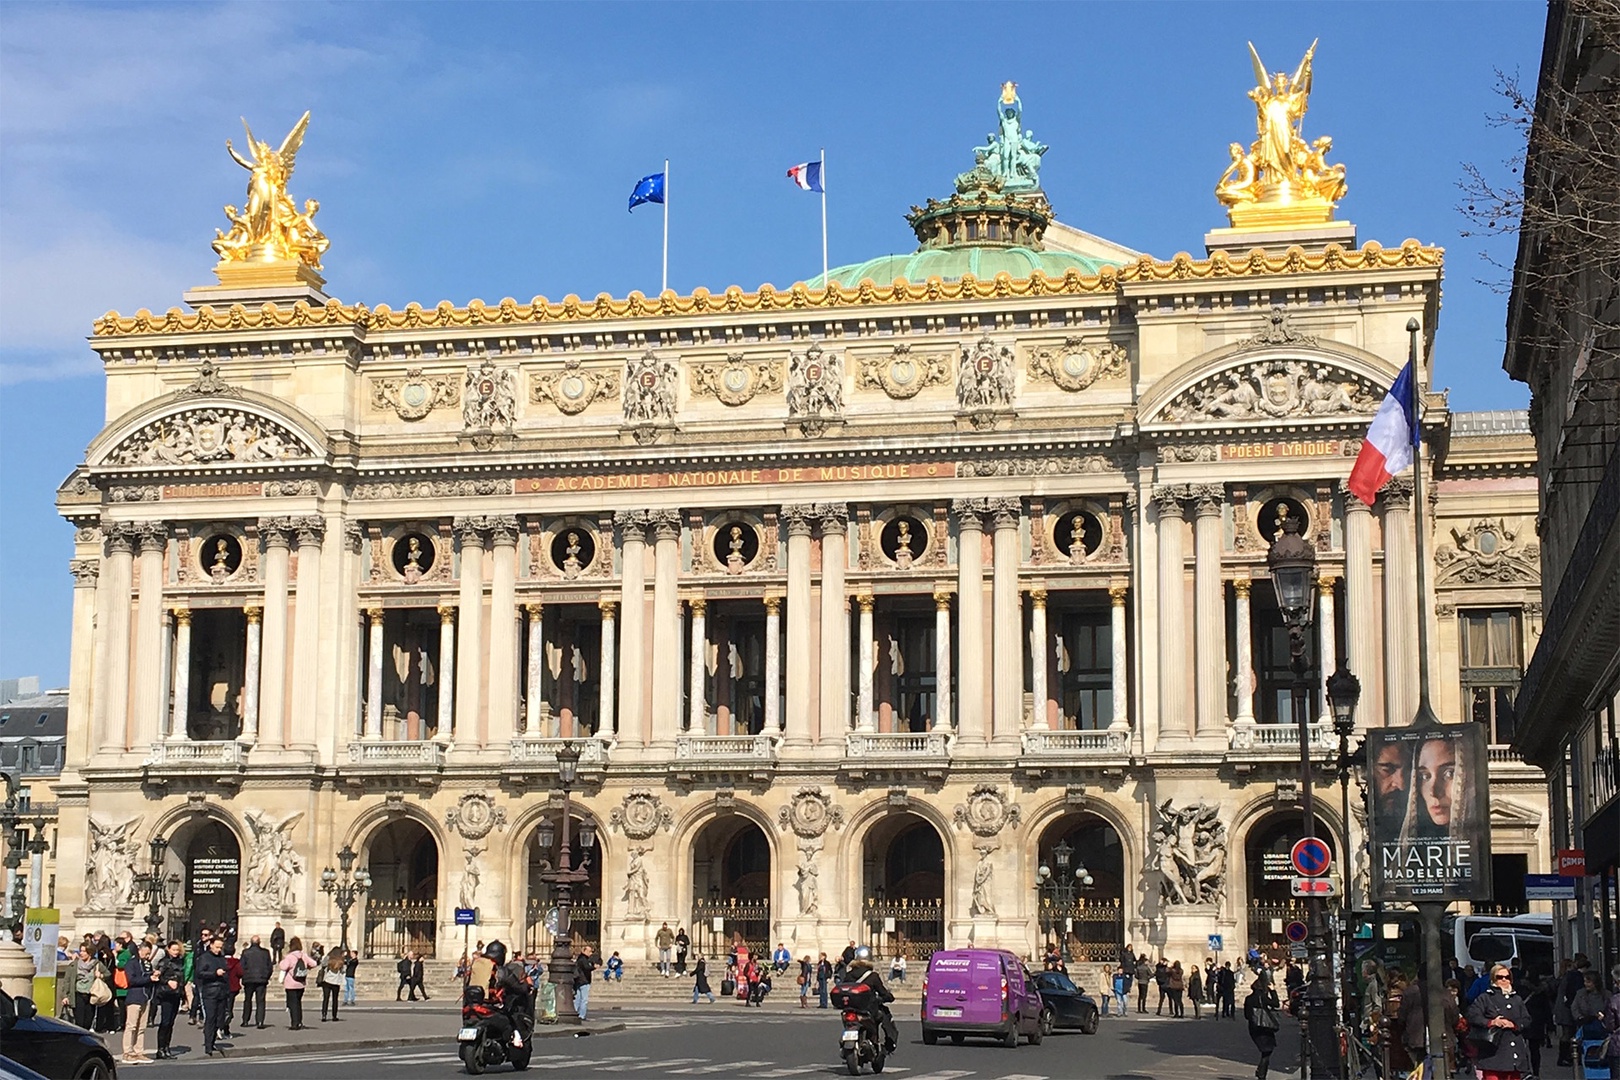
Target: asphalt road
pixel 784 1044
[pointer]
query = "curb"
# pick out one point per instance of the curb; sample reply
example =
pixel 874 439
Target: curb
pixel 549 1031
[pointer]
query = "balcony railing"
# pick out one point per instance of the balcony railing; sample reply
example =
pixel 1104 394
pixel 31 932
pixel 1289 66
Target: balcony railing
pixel 740 748
pixel 1280 738
pixel 226 753
pixel 392 753
pixel 1039 742
pixel 541 751
pixel 897 744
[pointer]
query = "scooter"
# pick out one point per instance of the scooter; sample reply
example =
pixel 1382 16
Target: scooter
pixel 490 1036
pixel 862 1040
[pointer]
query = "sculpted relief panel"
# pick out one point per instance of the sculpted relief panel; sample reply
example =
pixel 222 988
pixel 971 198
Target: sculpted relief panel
pixel 1275 390
pixel 574 387
pixel 1078 363
pixel 209 437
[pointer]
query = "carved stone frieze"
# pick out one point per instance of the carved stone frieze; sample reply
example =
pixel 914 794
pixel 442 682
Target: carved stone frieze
pixel 489 399
pixel 815 388
pixel 133 493
pixel 809 813
pixel 1077 363
pixel 276 489
pixel 902 375
pixel 650 386
pixel 987 811
pixel 208 384
pixel 1037 466
pixel 210 436
pixel 475 815
pixel 641 814
pixel 1488 551
pixel 1275 390
pixel 416 394
pixel 1279 329
pixel 431 489
pixel 1183 452
pixel 574 387
pixel 736 379
pixel 984 376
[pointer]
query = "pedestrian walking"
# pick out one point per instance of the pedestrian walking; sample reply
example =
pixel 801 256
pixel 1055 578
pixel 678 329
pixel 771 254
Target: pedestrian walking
pixel 278 943
pixel 1121 987
pixel 233 985
pixel 683 945
pixel 1263 1012
pixel 295 967
pixel 1195 991
pixel 584 964
pixel 257 967
pixel 84 978
pixel 138 981
pixel 404 969
pixel 665 941
pixel 807 972
pixel 418 973
pixel 700 983
pixel 351 967
pixel 169 990
pixel 1496 1023
pixel 1144 979
pixel 331 982
pixel 213 987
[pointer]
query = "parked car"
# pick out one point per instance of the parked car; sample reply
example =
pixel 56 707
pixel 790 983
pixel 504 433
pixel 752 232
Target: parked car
pixel 1067 1006
pixel 980 992
pixel 53 1048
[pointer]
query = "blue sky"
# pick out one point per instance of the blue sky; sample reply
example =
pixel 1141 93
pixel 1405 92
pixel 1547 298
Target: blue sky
pixel 466 150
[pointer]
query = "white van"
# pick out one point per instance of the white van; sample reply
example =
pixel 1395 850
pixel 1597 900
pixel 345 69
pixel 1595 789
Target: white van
pixel 1480 940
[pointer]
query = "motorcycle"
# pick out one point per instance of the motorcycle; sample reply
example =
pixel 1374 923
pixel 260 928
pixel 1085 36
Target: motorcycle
pixel 862 1041
pixel 490 1036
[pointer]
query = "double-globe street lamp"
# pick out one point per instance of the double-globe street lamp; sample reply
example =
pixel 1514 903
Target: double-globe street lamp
pixel 157 891
pixel 1058 891
pixel 562 878
pixel 344 886
pixel 1344 692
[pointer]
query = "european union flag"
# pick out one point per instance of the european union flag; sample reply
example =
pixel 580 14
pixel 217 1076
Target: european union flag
pixel 649 189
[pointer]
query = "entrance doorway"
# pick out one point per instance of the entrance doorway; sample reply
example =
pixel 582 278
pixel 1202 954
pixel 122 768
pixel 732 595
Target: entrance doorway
pixel 903 887
pixel 731 886
pixel 1082 894
pixel 208 858
pixel 402 908
pixel 585 899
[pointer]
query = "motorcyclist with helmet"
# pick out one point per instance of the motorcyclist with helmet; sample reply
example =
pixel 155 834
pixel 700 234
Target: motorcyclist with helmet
pixel 510 988
pixel 861 972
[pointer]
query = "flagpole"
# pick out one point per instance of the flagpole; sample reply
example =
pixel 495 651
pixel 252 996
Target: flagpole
pixel 824 281
pixel 1425 710
pixel 663 285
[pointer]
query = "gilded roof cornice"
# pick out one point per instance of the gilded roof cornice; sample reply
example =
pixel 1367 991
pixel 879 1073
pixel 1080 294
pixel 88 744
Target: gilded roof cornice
pixel 767 300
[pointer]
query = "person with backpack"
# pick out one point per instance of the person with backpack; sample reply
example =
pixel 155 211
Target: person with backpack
pixel 1263 1012
pixel 295 968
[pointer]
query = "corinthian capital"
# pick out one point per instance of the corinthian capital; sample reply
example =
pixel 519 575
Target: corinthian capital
pixel 276 532
pixel 471 530
pixel 1005 511
pixel 503 530
pixel 1170 500
pixel 1397 494
pixel 309 529
pixel 666 523
pixel 120 538
pixel 833 516
pixel 353 536
pixel 1208 499
pixel 85 571
pixel 632 525
pixel 970 512
pixel 153 535
pixel 800 518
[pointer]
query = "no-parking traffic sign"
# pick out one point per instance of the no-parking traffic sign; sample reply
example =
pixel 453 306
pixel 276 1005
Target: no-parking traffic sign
pixel 1310 857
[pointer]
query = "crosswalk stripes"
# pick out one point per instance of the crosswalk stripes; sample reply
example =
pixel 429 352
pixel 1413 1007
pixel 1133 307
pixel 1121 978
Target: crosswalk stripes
pixel 662 1063
pixel 728 1066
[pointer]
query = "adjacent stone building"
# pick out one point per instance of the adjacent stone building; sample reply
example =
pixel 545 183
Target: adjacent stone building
pixel 860 598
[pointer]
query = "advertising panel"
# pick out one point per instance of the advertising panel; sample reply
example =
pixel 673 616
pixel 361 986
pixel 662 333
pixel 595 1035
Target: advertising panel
pixel 1431 836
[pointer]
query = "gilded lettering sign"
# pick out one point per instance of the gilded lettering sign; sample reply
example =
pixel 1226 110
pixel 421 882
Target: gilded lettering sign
pixel 1290 449
pixel 810 474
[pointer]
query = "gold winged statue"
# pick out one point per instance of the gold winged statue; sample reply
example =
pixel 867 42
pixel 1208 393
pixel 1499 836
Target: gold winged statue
pixel 270 228
pixel 1282 179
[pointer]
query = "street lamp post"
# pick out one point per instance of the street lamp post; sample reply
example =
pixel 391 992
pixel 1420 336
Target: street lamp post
pixel 1292 562
pixel 1058 891
pixel 344 886
pixel 1344 692
pixel 158 892
pixel 562 878
pixel 14 844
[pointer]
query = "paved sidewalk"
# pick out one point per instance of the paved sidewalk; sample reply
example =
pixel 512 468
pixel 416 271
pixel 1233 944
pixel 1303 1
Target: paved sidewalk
pixel 360 1027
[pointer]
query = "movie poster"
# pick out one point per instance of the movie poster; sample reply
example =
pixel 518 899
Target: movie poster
pixel 1430 793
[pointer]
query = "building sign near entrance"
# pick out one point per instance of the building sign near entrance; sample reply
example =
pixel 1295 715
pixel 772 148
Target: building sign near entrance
pixel 1431 837
pixel 811 474
pixel 209 875
pixel 1292 448
pixel 1274 866
pixel 1571 862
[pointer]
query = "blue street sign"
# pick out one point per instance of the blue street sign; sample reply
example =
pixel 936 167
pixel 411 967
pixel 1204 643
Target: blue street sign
pixel 1548 887
pixel 1214 943
pixel 466 916
pixel 1310 857
pixel 1297 932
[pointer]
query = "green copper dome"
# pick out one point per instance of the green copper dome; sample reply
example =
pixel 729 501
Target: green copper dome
pixel 949 264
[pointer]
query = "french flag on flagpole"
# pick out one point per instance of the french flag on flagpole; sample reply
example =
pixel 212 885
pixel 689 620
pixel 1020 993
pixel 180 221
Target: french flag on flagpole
pixel 807 176
pixel 1391 441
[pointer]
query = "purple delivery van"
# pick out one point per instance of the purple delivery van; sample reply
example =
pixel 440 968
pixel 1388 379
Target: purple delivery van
pixel 979 992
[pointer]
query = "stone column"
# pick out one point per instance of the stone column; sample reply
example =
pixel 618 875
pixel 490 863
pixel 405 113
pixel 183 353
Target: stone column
pixel 310 533
pixel 147 697
pixel 864 720
pixel 1174 720
pixel 834 518
pixel 1400 604
pixel 275 533
pixel 666 628
pixel 1329 643
pixel 799 518
pixel 942 660
pixel 469 631
pixel 1209 613
pixel 531 675
pixel 1119 671
pixel 773 664
pixel 447 672
pixel 374 673
pixel 503 640
pixel 1244 629
pixel 111 704
pixel 166 676
pixel 970 723
pixel 180 662
pixel 605 664
pixel 1007 638
pixel 632 526
pixel 82 662
pixel 1361 627
pixel 250 674
pixel 697 705
pixel 1037 658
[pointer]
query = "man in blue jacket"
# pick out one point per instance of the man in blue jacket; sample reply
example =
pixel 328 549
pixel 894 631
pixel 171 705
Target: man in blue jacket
pixel 138 974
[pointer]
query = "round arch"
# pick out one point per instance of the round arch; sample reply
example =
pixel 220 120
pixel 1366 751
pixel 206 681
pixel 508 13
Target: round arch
pixel 1267 896
pixel 206 853
pixel 289 417
pixel 903 880
pixel 403 851
pixel 1082 892
pixel 532 897
pixel 729 865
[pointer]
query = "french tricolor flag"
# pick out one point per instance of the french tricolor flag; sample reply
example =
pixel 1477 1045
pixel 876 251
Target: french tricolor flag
pixel 807 176
pixel 1392 438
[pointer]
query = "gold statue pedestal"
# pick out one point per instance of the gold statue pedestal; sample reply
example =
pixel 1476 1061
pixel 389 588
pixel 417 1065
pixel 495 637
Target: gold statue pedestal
pixel 260 281
pixel 1276 237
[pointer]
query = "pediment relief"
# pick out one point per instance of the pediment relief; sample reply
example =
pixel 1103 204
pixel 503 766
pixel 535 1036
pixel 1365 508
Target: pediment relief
pixel 1279 388
pixel 1488 552
pixel 213 435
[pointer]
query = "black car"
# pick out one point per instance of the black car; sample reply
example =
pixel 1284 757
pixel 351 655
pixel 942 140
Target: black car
pixel 51 1047
pixel 1064 1005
